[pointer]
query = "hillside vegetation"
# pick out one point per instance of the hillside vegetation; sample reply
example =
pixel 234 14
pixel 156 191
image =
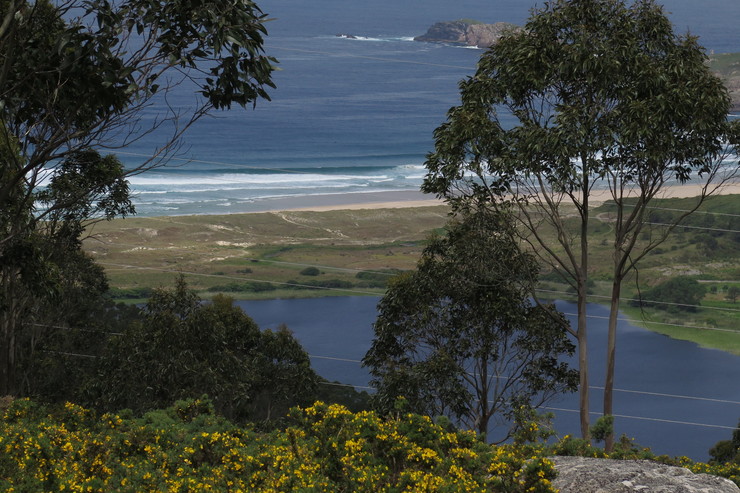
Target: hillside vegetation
pixel 323 448
pixel 299 254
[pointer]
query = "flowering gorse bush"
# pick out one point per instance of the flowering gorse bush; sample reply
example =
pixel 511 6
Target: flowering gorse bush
pixel 325 448
pixel 187 448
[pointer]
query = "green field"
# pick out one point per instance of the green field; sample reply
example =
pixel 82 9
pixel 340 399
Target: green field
pixel 354 252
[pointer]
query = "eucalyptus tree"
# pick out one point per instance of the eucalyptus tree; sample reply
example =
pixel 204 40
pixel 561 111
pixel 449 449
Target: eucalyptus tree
pixel 592 99
pixel 460 337
pixel 79 78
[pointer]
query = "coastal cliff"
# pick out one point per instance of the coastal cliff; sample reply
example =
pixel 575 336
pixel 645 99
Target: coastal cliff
pixel 466 32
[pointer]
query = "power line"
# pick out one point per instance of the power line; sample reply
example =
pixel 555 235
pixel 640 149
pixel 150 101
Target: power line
pixel 604 317
pixel 646 418
pixel 700 228
pixel 222 163
pixel 642 300
pixel 337 384
pixel 61 327
pixel 692 212
pixel 593 387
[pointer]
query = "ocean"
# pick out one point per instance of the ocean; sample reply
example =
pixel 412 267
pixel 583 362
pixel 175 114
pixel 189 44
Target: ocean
pixel 348 116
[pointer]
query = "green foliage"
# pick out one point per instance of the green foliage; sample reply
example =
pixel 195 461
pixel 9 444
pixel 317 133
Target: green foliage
pixel 187 448
pixel 376 279
pixel 603 427
pixel 241 287
pixel 72 82
pixel 65 356
pixel 310 271
pixel 325 448
pixel 676 294
pixel 184 348
pixel 591 71
pixel 732 293
pixel 343 394
pixel 47 283
pixel 467 307
pixel 130 293
pixel 727 450
pixel 603 94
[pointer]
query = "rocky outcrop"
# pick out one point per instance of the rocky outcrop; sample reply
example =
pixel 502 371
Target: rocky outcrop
pixel 586 475
pixel 466 33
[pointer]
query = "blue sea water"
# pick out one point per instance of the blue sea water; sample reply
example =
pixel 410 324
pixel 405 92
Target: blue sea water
pixel 348 115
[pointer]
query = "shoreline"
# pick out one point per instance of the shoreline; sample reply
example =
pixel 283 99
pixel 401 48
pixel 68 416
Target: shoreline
pixel 408 199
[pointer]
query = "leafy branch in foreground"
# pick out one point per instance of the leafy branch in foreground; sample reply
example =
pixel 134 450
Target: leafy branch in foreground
pixel 80 77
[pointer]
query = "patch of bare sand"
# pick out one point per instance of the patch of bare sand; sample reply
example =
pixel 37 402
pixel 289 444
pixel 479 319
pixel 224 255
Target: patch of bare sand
pixel 597 197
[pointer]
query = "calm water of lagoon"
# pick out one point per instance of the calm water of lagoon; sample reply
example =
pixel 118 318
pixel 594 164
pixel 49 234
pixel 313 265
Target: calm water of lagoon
pixel 699 401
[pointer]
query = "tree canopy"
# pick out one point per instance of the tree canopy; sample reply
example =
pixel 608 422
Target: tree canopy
pixel 76 79
pixel 184 349
pixel 460 337
pixel 591 97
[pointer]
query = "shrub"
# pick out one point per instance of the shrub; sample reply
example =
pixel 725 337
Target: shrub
pixel 188 448
pixel 310 271
pixel 676 294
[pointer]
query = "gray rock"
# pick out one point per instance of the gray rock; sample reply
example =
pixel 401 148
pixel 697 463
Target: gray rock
pixel 587 475
pixel 470 34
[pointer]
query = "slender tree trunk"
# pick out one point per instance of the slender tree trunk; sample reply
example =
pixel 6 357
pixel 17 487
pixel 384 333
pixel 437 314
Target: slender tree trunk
pixel 610 358
pixel 581 285
pixel 7 329
pixel 6 359
pixel 583 368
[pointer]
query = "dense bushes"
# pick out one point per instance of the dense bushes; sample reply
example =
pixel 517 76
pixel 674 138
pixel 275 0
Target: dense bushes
pixel 676 294
pixel 324 448
pixel 187 448
pixel 183 348
pixel 243 287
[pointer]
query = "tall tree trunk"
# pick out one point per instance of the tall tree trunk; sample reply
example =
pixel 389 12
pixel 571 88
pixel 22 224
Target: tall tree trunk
pixel 7 359
pixel 7 330
pixel 610 358
pixel 581 286
pixel 583 367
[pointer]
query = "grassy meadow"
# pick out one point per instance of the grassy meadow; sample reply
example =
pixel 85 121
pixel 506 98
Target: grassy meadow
pixel 354 252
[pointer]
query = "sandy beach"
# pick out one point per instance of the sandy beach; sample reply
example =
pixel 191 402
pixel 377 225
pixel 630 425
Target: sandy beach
pixel 397 200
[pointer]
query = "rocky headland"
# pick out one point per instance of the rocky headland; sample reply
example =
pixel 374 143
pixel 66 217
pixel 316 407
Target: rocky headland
pixel 469 33
pixel 473 33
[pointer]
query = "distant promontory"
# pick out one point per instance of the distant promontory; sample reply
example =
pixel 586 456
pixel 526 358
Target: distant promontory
pixel 473 33
pixel 466 32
